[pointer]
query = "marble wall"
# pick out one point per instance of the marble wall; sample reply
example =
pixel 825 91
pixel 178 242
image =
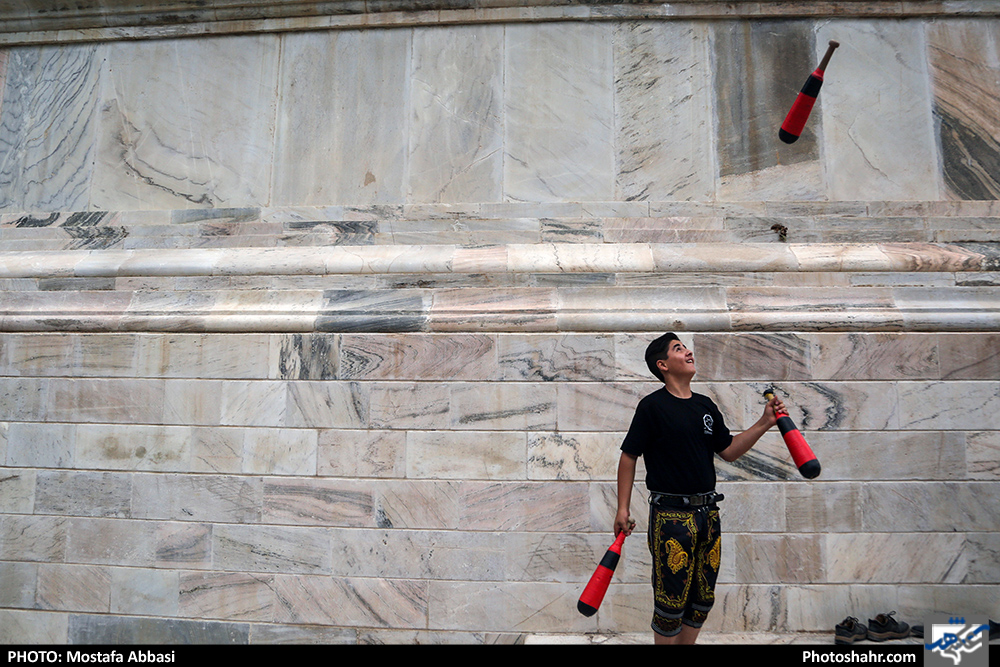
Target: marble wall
pixel 536 112
pixel 332 335
pixel 458 487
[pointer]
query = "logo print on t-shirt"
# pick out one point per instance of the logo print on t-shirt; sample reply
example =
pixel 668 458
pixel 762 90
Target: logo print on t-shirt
pixel 708 424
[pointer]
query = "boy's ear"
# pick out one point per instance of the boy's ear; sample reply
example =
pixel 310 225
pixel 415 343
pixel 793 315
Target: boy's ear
pixel 663 367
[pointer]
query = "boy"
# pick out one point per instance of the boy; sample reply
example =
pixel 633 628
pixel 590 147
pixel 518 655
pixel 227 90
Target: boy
pixel 679 432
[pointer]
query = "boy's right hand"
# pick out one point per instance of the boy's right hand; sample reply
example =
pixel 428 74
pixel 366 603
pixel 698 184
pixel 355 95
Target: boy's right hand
pixel 624 522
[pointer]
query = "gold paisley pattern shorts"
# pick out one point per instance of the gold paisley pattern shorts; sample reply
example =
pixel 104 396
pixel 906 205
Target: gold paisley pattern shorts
pixel 686 546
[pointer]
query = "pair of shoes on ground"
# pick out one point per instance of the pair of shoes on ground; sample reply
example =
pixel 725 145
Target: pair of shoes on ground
pixel 879 629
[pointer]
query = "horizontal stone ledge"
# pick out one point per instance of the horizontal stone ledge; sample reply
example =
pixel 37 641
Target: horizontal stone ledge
pixel 511 258
pixel 146 20
pixel 572 309
pixel 487 211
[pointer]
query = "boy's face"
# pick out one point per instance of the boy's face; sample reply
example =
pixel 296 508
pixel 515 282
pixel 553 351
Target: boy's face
pixel 679 361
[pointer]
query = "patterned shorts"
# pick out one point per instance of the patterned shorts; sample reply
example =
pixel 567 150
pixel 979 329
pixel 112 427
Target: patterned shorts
pixel 686 546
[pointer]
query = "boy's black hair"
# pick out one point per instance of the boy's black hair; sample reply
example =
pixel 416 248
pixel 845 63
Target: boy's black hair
pixel 658 350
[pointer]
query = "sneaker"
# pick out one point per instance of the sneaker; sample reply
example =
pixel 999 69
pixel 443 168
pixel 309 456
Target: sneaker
pixel 917 631
pixel 994 630
pixel 884 626
pixel 849 631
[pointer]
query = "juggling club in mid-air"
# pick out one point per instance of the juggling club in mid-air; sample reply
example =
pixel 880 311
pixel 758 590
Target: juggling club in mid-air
pixel 802 454
pixel 801 108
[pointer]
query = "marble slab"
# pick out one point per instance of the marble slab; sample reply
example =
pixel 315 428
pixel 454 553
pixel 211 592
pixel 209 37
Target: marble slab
pixel 879 139
pixel 663 141
pixel 559 112
pixel 759 68
pixel 427 554
pixel 419 357
pixel 466 455
pixel 224 499
pixel 109 629
pixel 266 549
pixel 47 156
pixel 964 64
pixel 83 494
pixel 162 143
pixel 351 601
pixel 319 502
pixel 456 125
pixel 234 596
pixel 572 456
pixel 505 607
pixel 361 453
pixel 81 588
pixel 163 545
pixel 342 119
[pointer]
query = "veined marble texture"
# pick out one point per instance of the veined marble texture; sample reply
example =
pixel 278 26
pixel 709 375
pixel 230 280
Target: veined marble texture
pixel 457 116
pixel 545 112
pixel 343 120
pixel 48 125
pixel 879 137
pixel 758 70
pixel 965 68
pixel 559 116
pixel 186 124
pixel 663 101
pixel 403 424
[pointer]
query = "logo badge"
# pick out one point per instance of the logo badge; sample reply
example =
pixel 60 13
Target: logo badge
pixel 708 424
pixel 953 641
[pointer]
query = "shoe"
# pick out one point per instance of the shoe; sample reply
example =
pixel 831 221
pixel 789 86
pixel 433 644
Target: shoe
pixel 994 630
pixel 917 631
pixel 884 626
pixel 849 630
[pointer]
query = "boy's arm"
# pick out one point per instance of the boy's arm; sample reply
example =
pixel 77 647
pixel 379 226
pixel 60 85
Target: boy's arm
pixel 742 442
pixel 626 478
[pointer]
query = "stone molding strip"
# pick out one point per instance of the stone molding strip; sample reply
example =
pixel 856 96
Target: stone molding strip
pixel 571 307
pixel 110 21
pixel 519 310
pixel 512 258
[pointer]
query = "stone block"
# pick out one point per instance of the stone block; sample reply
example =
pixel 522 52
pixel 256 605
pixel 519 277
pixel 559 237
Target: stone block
pixel 137 543
pixel 17 585
pixel 352 602
pixel 17 490
pixel 234 596
pixel 209 498
pixel 319 502
pixel 125 630
pixel 34 538
pixel 573 456
pixel 145 592
pixel 271 549
pixel 455 151
pixel 543 506
pixel 552 358
pixel 466 455
pixel 558 110
pixel 505 606
pixel 77 588
pixel 71 493
pixel 43 627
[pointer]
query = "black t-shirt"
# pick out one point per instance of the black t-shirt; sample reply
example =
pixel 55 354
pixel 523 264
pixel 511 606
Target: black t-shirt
pixel 679 438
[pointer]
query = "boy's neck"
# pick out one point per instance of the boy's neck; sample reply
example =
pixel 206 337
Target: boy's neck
pixel 679 387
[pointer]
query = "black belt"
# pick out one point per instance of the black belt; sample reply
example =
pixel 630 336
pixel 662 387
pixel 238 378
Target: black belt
pixel 675 500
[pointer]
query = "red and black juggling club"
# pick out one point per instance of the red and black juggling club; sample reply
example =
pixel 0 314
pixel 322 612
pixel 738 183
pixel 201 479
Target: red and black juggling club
pixel 802 107
pixel 802 454
pixel 593 594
